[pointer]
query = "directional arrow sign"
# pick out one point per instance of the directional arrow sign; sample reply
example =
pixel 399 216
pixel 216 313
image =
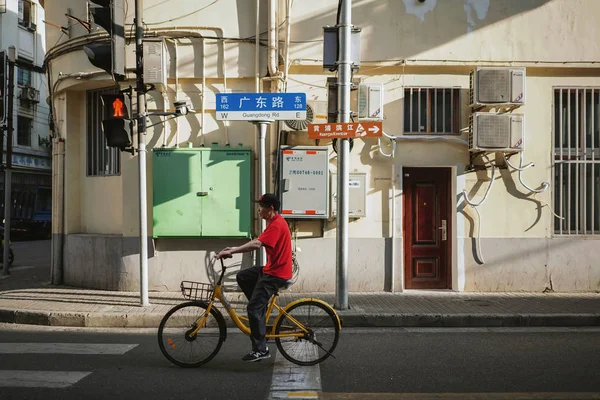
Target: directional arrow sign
pixel 347 130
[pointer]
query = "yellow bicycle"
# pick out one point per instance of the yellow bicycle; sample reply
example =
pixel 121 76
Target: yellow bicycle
pixel 306 331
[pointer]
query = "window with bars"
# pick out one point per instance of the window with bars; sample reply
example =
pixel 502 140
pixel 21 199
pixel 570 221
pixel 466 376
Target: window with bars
pixel 432 110
pixel 101 160
pixel 577 161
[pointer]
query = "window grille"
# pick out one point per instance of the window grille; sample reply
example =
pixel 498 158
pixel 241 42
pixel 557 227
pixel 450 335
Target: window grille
pixel 577 161
pixel 432 111
pixel 101 160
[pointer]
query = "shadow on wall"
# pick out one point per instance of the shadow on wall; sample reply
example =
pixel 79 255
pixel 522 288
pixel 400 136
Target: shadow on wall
pixel 509 178
pixel 425 26
pixel 208 248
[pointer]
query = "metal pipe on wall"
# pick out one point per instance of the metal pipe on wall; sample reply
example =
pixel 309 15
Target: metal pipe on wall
pixel 287 41
pixel 176 91
pixel 272 43
pixel 58 158
pixel 12 58
pixel 257 50
pixel 203 106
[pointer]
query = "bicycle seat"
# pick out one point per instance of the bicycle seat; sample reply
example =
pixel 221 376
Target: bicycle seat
pixel 287 285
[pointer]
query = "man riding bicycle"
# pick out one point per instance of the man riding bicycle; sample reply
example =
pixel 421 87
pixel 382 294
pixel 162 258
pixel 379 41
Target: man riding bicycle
pixel 260 283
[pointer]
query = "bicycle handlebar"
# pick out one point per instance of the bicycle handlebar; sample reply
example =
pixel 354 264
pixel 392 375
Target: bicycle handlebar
pixel 222 258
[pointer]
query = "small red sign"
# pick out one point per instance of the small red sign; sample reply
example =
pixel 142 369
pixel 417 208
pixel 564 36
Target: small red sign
pixel 345 130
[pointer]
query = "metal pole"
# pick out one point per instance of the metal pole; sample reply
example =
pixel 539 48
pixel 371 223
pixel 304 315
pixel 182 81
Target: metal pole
pixel 12 57
pixel 261 256
pixel 141 133
pixel 343 86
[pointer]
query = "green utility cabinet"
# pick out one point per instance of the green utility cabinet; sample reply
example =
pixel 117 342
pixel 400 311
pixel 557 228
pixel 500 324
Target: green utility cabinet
pixel 202 192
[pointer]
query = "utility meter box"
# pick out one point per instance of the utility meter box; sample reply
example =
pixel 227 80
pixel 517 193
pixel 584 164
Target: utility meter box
pixel 155 61
pixel 202 192
pixel 370 102
pixel 357 193
pixel 304 186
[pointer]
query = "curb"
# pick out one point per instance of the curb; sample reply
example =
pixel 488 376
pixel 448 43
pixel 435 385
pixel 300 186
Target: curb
pixel 349 320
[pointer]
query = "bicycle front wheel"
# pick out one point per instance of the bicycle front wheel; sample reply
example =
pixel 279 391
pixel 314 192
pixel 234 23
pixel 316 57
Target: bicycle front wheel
pixel 180 345
pixel 315 346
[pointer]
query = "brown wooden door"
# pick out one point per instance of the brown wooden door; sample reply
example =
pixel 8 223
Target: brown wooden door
pixel 427 230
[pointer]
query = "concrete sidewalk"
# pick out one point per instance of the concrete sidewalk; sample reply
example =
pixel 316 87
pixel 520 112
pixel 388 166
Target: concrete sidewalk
pixel 27 297
pixel 64 306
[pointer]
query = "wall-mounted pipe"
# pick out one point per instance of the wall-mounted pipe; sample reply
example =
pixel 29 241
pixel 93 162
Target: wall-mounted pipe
pixel 286 67
pixel 176 90
pixel 272 43
pixel 203 109
pixel 257 50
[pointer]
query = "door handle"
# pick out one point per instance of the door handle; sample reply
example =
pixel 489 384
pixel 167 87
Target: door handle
pixel 444 229
pixel 200 194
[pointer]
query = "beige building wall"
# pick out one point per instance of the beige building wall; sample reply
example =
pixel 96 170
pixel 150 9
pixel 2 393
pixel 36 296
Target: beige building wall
pixel 403 44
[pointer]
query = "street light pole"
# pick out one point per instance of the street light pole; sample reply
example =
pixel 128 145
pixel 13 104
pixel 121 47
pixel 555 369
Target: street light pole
pixel 12 58
pixel 141 134
pixel 344 82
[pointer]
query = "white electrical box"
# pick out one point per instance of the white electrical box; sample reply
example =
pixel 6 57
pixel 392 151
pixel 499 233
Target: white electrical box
pixel 304 182
pixel 357 193
pixel 370 102
pixel 155 61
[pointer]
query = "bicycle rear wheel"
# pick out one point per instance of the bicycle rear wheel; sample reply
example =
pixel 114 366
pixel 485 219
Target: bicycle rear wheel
pixel 320 341
pixel 179 345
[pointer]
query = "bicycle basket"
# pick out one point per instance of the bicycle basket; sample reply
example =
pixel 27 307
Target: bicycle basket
pixel 196 290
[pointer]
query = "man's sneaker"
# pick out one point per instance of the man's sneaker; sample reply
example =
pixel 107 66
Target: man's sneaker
pixel 256 355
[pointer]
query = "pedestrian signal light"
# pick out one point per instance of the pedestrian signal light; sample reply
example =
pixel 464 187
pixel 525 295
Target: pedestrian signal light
pixel 116 123
pixel 114 106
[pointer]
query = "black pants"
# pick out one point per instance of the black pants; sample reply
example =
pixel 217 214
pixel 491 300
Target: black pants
pixel 258 288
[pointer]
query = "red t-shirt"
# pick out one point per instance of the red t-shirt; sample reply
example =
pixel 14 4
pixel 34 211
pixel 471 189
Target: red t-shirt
pixel 278 244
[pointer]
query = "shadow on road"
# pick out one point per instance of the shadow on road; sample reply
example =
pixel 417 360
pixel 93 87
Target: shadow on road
pixel 31 268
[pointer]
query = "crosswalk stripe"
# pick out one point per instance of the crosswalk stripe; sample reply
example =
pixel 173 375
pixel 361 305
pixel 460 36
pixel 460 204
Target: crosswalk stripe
pixel 291 381
pixel 66 348
pixel 46 379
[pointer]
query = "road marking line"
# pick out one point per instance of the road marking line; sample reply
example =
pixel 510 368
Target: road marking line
pixel 461 396
pixel 295 381
pixel 65 348
pixel 46 379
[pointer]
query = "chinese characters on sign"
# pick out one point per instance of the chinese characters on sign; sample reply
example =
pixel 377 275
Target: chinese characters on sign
pixel 345 130
pixel 260 106
pixel 304 172
pixel 32 162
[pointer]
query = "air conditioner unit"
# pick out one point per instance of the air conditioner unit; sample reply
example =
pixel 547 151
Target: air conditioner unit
pixel 496 132
pixel 316 113
pixel 30 94
pixel 495 86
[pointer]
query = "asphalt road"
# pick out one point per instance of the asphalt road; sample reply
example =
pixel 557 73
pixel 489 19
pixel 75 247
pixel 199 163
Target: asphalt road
pixel 370 363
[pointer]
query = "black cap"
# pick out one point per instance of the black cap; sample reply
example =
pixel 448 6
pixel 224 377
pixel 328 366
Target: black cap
pixel 269 199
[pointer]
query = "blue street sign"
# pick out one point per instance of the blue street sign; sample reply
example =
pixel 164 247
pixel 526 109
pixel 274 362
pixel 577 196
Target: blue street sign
pixel 260 106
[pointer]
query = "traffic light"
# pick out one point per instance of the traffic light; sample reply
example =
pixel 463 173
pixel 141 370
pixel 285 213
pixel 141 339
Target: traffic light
pixel 2 86
pixel 116 123
pixel 109 14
